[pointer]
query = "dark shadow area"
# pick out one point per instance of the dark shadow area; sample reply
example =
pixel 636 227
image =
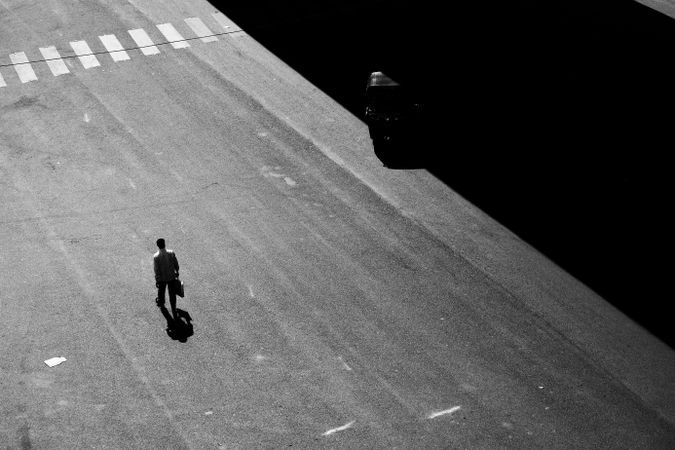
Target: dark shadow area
pixel 180 329
pixel 396 155
pixel 403 151
pixel 551 116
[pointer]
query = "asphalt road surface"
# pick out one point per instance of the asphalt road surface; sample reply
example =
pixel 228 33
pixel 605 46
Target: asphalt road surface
pixel 333 303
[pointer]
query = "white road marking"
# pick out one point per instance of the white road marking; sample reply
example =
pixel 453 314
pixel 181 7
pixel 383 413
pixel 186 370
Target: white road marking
pixel 290 181
pixel 335 430
pixel 444 412
pixel 86 118
pixel 23 67
pixel 54 61
pixel 225 22
pixel 344 364
pixel 114 47
pixel 144 42
pixel 85 55
pixel 200 29
pixel 250 291
pixel 172 35
pixel 60 66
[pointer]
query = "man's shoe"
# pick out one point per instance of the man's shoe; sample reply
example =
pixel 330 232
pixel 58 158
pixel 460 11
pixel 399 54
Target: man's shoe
pixel 160 304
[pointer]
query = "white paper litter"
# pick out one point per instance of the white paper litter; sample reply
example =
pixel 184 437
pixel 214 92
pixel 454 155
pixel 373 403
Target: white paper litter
pixel 51 362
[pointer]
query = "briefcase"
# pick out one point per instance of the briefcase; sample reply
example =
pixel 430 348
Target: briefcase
pixel 179 287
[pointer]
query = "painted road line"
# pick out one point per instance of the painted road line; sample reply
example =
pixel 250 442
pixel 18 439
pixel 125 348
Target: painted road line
pixel 335 430
pixel 225 22
pixel 2 81
pixel 23 67
pixel 172 35
pixel 200 29
pixel 444 412
pixel 144 42
pixel 83 52
pixel 114 47
pixel 54 61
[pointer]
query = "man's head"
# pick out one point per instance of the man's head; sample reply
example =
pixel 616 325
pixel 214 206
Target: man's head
pixel 161 243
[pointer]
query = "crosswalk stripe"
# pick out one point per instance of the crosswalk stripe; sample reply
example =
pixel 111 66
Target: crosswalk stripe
pixel 172 35
pixel 23 67
pixel 54 61
pixel 114 47
pixel 85 55
pixel 200 29
pixel 144 42
pixel 225 22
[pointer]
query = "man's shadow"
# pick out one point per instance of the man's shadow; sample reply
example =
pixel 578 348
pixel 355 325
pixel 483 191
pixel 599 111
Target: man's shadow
pixel 180 329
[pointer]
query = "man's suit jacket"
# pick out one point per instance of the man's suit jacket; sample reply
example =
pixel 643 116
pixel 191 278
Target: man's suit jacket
pixel 166 265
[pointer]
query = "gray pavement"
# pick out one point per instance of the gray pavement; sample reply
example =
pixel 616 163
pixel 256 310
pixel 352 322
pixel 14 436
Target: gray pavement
pixel 334 303
pixel 666 7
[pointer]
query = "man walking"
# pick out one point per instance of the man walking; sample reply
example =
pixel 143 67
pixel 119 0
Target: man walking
pixel 166 271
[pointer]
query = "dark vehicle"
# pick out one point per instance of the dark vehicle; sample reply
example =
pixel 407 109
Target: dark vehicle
pixel 391 113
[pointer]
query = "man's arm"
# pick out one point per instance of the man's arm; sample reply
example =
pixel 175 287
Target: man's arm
pixel 175 262
pixel 156 266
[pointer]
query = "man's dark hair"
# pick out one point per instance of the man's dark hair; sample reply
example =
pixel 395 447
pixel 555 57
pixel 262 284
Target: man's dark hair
pixel 161 243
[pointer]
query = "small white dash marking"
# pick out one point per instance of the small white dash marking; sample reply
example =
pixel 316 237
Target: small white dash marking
pixel 344 364
pixel 290 181
pixel 335 430
pixel 250 292
pixel 172 35
pixel 144 42
pixel 23 67
pixel 200 29
pixel 225 22
pixel 86 118
pixel 2 81
pixel 444 412
pixel 54 61
pixel 85 55
pixel 114 47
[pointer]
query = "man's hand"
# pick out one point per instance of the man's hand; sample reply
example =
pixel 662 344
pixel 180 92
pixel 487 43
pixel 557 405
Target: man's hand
pixel 157 285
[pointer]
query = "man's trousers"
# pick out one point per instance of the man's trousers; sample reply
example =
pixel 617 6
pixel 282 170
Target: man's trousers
pixel 172 295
